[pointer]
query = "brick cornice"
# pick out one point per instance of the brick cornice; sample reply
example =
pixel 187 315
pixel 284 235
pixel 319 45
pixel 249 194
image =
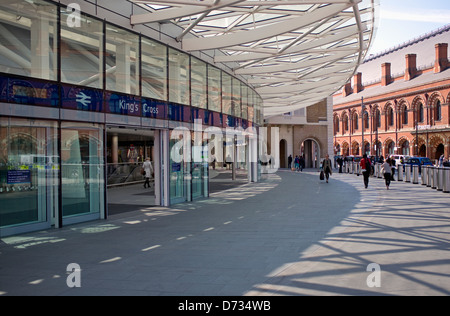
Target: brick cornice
pixel 378 99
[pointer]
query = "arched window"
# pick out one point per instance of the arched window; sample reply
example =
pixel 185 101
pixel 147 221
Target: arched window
pixel 355 121
pixel 438 111
pixel 377 119
pixel 405 148
pixel 390 116
pixel 345 123
pixel 404 115
pixel 366 120
pixel 420 112
pixel 336 125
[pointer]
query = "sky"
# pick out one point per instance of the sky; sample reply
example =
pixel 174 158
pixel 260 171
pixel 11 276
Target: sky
pixel 404 20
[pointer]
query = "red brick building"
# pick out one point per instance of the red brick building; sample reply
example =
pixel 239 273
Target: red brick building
pixel 398 102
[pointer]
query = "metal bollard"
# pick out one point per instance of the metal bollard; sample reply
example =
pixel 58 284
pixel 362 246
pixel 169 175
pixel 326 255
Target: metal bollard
pixel 424 175
pixel 446 181
pixel 408 173
pixel 440 179
pixel 415 174
pixel 433 177
pixel 430 176
pixel 400 172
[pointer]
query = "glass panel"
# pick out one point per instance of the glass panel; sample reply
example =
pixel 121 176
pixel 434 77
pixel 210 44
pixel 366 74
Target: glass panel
pixel 154 70
pixel 28 32
pixel 226 94
pixel 122 60
pixel 200 170
pixel 214 89
pixel 82 169
pixel 236 98
pixel 178 77
pixel 251 103
pixel 81 51
pixel 176 169
pixel 29 168
pixel 244 94
pixel 198 83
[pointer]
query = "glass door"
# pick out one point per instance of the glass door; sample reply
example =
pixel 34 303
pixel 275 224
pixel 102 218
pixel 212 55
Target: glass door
pixel 82 172
pixel 200 171
pixel 176 172
pixel 29 169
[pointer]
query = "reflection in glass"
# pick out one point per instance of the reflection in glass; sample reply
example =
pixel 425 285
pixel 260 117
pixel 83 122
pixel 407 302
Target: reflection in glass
pixel 198 83
pixel 28 35
pixel 226 94
pixel 176 168
pixel 29 168
pixel 236 97
pixel 214 89
pixel 178 77
pixel 82 169
pixel 81 51
pixel 122 60
pixel 154 70
pixel 244 94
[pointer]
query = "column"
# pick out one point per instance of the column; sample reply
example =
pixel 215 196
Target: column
pixel 40 47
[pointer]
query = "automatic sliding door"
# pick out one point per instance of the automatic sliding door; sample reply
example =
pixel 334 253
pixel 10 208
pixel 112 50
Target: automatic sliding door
pixel 82 170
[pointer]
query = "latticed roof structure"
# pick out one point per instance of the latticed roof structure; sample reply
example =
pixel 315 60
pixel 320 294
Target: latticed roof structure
pixel 294 52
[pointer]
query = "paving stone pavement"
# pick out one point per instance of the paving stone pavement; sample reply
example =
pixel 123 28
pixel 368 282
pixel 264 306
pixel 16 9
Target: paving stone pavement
pixel 288 235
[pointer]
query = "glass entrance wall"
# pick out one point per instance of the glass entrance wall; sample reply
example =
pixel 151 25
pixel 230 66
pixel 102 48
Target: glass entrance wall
pixel 177 166
pixel 188 168
pixel 28 32
pixel 29 169
pixel 200 168
pixel 82 172
pixel 81 51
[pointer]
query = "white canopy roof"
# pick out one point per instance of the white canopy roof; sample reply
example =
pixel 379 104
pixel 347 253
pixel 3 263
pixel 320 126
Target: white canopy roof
pixel 294 52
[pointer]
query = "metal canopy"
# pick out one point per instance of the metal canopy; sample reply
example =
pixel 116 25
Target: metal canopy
pixel 294 52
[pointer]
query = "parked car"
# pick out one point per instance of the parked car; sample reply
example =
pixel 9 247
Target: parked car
pixel 418 161
pixel 398 158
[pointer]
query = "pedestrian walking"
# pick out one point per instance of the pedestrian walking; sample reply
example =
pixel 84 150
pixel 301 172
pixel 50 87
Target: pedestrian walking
pixel 340 162
pixel 302 163
pixel 366 167
pixel 441 161
pixel 297 163
pixel 387 170
pixel 327 167
pixel 290 161
pixel 148 168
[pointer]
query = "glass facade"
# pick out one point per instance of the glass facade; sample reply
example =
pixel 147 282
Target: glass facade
pixel 122 60
pixel 28 42
pixel 29 172
pixel 82 170
pixel 227 94
pixel 154 69
pixel 214 89
pixel 198 83
pixel 84 67
pixel 81 51
pixel 179 77
pixel 93 53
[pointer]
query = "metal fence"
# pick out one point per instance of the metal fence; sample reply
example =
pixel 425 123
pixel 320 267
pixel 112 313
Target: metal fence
pixel 437 178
